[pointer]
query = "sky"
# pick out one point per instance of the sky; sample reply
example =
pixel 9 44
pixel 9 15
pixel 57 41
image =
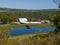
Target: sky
pixel 28 4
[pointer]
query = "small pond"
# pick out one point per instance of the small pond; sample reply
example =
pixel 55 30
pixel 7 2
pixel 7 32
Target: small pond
pixel 22 31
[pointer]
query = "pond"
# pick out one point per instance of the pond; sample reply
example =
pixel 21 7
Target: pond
pixel 22 31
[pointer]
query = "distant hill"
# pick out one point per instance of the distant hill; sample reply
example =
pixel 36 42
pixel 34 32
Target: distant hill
pixel 10 9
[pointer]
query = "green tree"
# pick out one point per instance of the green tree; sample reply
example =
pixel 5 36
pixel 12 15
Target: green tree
pixel 57 20
pixel 5 19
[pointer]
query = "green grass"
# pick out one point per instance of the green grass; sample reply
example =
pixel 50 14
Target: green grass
pixel 41 25
pixel 21 37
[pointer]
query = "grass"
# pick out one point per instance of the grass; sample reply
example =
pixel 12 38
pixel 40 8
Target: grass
pixel 23 25
pixel 35 39
pixel 41 25
pixel 21 37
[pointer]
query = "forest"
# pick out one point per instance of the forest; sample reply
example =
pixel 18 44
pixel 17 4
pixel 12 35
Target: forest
pixel 8 15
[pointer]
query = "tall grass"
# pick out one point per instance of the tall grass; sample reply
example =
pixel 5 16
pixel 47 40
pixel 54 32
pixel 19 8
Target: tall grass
pixel 37 39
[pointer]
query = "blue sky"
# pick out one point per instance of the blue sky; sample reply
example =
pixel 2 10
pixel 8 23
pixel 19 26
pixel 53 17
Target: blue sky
pixel 28 4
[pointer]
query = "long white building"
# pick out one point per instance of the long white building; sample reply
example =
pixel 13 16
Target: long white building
pixel 25 21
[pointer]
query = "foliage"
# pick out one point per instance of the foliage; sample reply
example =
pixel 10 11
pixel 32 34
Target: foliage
pixel 7 19
pixel 57 20
pixel 14 14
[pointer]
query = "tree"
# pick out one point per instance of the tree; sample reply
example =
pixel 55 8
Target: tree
pixel 4 19
pixel 57 21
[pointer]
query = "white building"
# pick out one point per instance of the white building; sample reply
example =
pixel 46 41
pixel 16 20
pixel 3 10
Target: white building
pixel 25 21
pixel 45 21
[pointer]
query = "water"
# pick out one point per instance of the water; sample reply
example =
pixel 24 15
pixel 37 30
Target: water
pixel 21 31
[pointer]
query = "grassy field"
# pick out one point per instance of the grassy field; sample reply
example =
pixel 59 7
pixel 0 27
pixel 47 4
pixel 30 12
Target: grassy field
pixel 23 25
pixel 21 37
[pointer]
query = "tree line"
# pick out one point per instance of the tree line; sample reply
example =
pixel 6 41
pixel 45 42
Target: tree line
pixel 12 16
